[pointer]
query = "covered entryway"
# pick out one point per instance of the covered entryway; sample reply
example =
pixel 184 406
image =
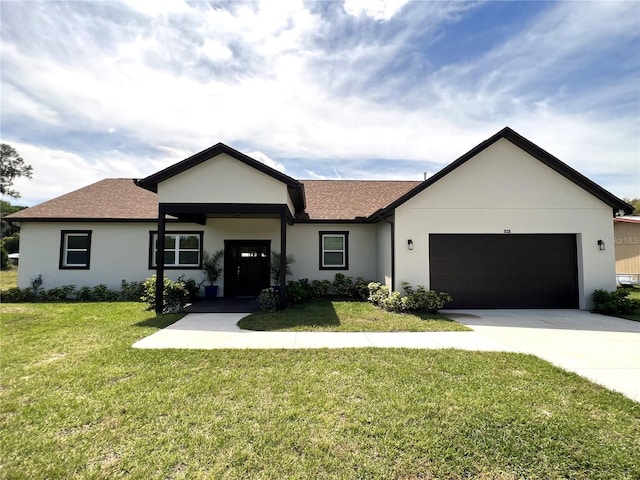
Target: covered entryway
pixel 505 271
pixel 246 267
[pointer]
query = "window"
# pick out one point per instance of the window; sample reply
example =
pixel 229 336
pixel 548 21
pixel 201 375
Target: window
pixel 75 249
pixel 181 249
pixel 334 250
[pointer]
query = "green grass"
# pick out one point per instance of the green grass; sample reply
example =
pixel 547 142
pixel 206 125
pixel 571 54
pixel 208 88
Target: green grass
pixel 634 294
pixel 78 402
pixel 344 316
pixel 8 278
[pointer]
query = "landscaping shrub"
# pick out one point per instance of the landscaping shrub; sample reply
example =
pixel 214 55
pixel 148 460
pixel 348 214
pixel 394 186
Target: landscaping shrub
pixel 614 303
pixel 192 287
pixel 343 286
pixel 57 294
pixel 418 300
pixel 131 291
pixel 17 295
pixel 299 291
pixel 320 288
pixel 173 296
pixel 100 293
pixel 85 294
pixel 268 300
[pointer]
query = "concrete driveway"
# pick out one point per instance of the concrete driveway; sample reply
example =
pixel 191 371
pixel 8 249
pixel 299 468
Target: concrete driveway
pixel 603 349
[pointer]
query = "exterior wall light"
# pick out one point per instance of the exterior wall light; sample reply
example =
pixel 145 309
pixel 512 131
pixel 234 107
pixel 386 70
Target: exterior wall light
pixel 410 244
pixel 600 244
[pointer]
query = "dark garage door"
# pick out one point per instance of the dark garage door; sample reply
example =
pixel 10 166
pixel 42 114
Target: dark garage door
pixel 505 271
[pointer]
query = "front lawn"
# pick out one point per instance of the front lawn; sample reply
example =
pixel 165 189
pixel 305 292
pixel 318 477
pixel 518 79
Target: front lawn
pixel 79 402
pixel 635 295
pixel 326 315
pixel 8 278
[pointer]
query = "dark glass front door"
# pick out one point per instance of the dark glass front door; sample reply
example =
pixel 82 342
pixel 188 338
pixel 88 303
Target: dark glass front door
pixel 246 267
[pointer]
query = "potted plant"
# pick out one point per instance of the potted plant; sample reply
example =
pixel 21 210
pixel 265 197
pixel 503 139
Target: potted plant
pixel 212 271
pixel 275 268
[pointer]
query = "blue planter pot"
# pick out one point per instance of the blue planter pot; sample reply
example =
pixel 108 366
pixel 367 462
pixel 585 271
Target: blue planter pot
pixel 210 291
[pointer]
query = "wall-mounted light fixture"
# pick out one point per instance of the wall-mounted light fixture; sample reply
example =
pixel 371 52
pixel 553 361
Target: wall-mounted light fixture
pixel 600 244
pixel 410 244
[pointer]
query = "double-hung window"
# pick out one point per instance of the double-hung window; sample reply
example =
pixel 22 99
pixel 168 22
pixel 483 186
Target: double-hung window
pixel 181 250
pixel 334 250
pixel 75 249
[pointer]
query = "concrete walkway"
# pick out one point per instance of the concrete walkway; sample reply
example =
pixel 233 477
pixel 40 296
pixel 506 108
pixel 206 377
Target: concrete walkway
pixel 603 349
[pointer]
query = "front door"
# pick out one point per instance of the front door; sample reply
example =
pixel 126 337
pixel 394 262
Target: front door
pixel 246 267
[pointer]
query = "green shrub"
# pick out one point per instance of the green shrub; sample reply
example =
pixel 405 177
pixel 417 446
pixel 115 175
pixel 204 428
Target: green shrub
pixel 343 286
pixel 320 288
pixel 361 288
pixel 58 294
pixel 299 291
pixel 192 287
pixel 131 291
pixel 174 294
pixel 17 295
pixel 268 300
pixel 418 300
pixel 84 294
pixel 101 293
pixel 614 303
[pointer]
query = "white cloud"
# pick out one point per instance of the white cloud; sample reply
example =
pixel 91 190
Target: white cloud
pixel 269 162
pixel 381 10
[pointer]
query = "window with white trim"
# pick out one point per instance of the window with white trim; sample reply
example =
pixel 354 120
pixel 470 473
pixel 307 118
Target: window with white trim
pixel 334 250
pixel 181 249
pixel 75 249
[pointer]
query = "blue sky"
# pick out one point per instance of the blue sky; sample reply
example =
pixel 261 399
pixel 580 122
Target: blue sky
pixel 378 89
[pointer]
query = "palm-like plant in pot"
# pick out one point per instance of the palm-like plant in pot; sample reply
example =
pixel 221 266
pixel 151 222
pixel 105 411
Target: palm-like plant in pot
pixel 212 271
pixel 275 267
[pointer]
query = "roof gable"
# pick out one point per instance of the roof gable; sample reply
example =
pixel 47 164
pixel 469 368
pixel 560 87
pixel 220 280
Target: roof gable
pixel 295 188
pixel 536 152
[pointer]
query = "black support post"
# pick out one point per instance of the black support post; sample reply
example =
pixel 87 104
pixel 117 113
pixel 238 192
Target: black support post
pixel 160 260
pixel 283 257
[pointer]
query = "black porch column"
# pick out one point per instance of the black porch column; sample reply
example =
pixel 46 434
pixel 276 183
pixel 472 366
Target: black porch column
pixel 283 257
pixel 160 260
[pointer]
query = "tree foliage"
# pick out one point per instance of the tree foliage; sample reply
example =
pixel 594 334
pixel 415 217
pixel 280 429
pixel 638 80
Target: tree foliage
pixel 635 203
pixel 12 166
pixel 7 209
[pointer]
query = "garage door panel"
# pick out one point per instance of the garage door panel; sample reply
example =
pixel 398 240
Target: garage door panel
pixel 505 271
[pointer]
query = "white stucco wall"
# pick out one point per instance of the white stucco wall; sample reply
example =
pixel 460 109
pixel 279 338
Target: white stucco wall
pixel 304 244
pixel 223 179
pixel 503 188
pixel 383 253
pixel 119 251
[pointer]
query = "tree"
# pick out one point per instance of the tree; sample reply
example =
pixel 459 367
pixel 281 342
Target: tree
pixel 11 166
pixel 6 230
pixel 635 203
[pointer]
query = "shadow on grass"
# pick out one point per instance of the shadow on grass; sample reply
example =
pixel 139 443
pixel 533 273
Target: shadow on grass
pixel 160 321
pixel 319 313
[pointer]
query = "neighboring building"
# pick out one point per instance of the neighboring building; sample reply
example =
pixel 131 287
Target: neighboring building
pixel 507 225
pixel 627 236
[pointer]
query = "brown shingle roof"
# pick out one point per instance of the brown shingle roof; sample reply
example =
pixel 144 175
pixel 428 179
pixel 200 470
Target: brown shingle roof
pixel 348 199
pixel 121 199
pixel 112 198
